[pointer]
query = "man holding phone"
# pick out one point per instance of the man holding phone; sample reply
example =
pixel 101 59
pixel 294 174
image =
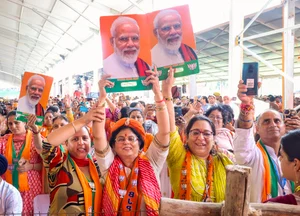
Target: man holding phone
pixel 262 156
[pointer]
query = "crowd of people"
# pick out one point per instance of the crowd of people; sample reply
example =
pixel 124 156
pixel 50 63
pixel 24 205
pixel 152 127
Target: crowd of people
pixel 115 156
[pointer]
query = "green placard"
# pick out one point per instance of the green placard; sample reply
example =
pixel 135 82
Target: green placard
pixel 136 84
pixel 23 118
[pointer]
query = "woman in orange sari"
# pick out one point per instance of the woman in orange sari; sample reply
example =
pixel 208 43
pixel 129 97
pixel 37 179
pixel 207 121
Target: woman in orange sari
pixel 131 176
pixel 24 162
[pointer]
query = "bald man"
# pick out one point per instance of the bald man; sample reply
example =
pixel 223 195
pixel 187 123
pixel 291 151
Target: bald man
pixel 34 91
pixel 170 50
pixel 124 62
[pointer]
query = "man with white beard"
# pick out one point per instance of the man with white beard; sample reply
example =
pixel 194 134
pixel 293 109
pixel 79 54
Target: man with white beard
pixel 170 50
pixel 124 62
pixel 34 91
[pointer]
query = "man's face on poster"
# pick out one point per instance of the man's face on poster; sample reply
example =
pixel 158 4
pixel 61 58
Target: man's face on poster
pixel 169 31
pixel 127 42
pixel 35 90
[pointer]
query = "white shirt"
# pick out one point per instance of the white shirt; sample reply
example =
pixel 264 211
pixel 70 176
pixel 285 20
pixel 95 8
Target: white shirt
pixel 25 106
pixel 164 57
pixel 113 66
pixel 10 199
pixel 247 153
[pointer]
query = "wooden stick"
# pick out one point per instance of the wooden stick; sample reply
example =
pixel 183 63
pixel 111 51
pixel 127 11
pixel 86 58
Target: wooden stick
pixel 188 208
pixel 237 190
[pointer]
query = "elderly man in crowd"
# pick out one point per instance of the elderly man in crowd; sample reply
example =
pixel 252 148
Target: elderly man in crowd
pixel 124 62
pixel 266 180
pixel 170 50
pixel 34 91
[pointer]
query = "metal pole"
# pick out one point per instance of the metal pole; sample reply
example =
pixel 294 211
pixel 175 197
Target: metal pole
pixel 271 32
pixel 255 17
pixel 267 63
pixel 288 42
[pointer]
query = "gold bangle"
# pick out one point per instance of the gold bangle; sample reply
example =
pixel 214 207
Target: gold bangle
pixel 168 99
pixel 74 127
pixel 104 151
pixel 159 144
pixel 160 108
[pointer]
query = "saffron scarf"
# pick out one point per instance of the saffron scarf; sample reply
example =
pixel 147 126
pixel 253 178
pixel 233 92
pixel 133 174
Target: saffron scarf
pixel 141 67
pixel 19 180
pixel 117 196
pixel 92 203
pixel 185 179
pixel 187 53
pixel 270 187
pixel 45 130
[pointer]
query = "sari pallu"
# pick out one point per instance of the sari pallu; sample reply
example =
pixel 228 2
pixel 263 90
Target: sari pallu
pixel 146 187
pixel 19 180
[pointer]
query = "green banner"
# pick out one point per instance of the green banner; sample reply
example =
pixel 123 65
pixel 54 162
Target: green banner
pixel 136 84
pixel 23 118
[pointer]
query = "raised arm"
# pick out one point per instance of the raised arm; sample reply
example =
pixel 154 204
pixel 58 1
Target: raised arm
pixel 60 135
pixel 69 113
pixel 161 110
pixel 167 94
pixel 246 116
pixel 100 140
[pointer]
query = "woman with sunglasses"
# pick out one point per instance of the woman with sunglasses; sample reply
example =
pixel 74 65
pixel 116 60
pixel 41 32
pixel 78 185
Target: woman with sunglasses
pixel 197 169
pixel 131 176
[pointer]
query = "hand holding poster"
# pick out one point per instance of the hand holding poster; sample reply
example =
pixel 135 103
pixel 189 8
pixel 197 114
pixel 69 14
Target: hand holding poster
pixel 35 90
pixel 133 43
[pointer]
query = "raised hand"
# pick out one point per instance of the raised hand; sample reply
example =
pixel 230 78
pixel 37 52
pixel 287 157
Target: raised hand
pixel 94 114
pixel 67 101
pixel 242 89
pixel 153 79
pixel 168 83
pixel 31 119
pixel 103 82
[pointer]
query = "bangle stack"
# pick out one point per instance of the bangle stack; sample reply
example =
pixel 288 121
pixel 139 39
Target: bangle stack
pixel 246 109
pixel 160 145
pixel 160 108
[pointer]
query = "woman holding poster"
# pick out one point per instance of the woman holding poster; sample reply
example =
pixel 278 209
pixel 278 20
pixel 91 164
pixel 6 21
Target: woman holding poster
pixel 24 163
pixel 197 169
pixel 131 175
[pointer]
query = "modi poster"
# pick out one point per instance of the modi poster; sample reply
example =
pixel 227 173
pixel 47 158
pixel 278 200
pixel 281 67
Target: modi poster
pixel 134 44
pixel 34 94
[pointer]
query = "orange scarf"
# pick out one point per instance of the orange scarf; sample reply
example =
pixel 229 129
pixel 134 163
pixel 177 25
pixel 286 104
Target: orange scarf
pixel 185 178
pixel 23 179
pixel 45 130
pixel 124 196
pixel 87 190
pixel 266 191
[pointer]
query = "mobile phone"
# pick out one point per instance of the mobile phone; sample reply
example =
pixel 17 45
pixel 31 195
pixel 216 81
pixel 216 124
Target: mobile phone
pixel 83 109
pixel 289 113
pixel 178 111
pixel 250 77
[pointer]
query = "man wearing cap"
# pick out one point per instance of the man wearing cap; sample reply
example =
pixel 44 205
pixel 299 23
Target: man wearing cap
pixel 10 197
pixel 170 50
